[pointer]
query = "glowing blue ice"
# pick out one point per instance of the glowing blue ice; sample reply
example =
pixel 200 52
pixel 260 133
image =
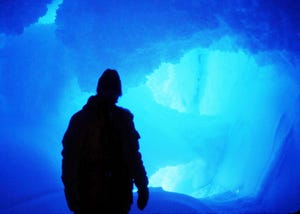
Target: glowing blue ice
pixel 214 89
pixel 50 16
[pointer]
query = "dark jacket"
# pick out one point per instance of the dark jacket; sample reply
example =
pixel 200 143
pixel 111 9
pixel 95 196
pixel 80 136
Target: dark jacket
pixel 101 158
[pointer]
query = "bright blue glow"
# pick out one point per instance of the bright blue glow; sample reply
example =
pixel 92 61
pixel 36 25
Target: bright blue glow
pixel 215 98
pixel 212 111
pixel 49 17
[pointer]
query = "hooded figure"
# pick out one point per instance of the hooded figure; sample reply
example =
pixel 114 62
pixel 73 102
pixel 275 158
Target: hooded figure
pixel 101 159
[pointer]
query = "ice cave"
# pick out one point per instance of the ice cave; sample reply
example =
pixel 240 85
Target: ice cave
pixel 214 87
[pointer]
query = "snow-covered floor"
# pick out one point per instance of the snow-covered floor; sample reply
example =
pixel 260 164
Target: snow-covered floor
pixel 160 202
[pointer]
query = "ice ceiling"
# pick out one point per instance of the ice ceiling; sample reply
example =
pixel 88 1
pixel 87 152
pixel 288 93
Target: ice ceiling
pixel 214 86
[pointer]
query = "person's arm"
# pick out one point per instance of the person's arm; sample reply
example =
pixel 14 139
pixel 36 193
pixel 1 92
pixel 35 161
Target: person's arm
pixel 72 142
pixel 137 167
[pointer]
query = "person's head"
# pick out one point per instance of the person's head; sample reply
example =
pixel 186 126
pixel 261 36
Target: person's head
pixel 109 85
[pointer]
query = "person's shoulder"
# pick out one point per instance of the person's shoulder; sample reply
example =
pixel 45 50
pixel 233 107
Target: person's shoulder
pixel 87 110
pixel 124 112
pixel 78 117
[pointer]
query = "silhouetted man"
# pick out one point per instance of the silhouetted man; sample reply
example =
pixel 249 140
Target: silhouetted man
pixel 101 158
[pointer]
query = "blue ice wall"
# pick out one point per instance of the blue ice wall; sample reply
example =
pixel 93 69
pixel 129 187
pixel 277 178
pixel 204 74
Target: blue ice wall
pixel 214 87
pixel 16 15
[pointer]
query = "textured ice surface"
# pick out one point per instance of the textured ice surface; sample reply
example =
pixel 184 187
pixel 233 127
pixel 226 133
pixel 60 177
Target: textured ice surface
pixel 214 87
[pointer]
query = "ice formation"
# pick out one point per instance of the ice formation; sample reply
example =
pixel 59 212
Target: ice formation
pixel 214 87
